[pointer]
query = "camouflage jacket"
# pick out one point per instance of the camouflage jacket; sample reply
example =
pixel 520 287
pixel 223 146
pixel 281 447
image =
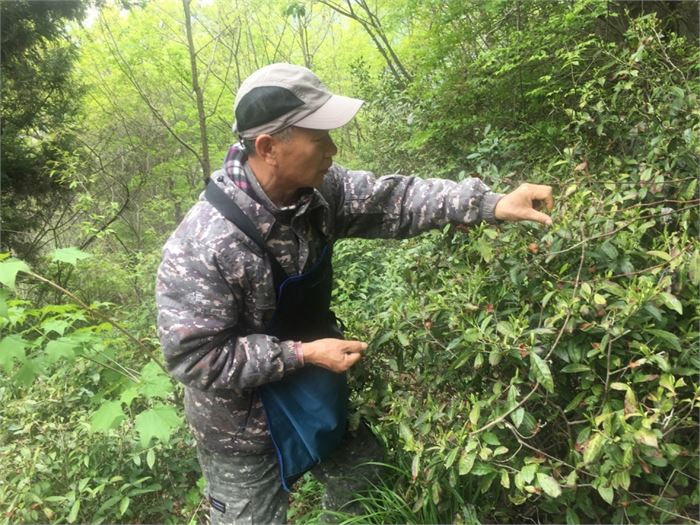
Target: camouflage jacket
pixel 215 295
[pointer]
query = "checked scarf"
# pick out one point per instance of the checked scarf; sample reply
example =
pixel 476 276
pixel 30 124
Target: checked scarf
pixel 233 166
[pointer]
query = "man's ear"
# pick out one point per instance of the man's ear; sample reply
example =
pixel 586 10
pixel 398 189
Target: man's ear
pixel 265 148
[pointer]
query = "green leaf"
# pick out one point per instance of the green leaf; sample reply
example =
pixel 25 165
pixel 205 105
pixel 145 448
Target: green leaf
pixel 158 422
pixel 614 288
pixel 435 493
pixel 668 382
pixel 621 479
pixel 609 250
pixel 68 255
pixel 466 462
pixel 504 328
pixel 415 466
pixel 27 373
pixel 541 372
pixel 482 469
pixel 451 457
pixel 694 268
pixel 154 382
pixel 406 434
pixel 109 415
pixel 505 479
pixel 575 402
pixel 575 368
pixel 667 337
pixel 11 350
pixel 606 493
pixel 128 395
pixel 490 438
pixel 659 254
pixel 646 437
pixel 622 387
pixel 150 458
pixel 3 302
pixel 550 485
pixel 528 472
pixel 54 324
pixel 474 414
pixel 73 514
pixel 671 302
pixel 517 416
pixel 403 339
pixel 572 518
pixel 123 505
pixel 62 348
pixel 593 447
pixel 9 269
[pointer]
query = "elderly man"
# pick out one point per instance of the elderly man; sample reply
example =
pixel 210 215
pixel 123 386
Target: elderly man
pixel 243 292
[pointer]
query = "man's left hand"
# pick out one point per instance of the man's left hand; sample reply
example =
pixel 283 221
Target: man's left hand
pixel 522 204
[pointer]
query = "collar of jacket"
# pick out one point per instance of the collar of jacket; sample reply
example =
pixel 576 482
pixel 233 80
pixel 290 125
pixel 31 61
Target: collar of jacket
pixel 232 179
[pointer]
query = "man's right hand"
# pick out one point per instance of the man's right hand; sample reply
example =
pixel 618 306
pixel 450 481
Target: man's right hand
pixel 337 355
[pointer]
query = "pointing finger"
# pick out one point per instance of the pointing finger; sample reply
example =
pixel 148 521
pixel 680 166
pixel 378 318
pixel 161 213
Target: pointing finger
pixel 534 215
pixel 355 347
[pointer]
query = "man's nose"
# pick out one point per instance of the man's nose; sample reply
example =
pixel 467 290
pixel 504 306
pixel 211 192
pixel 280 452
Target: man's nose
pixel 332 148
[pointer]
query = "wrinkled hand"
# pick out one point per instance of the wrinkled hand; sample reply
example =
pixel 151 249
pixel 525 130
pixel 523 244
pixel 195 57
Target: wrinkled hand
pixel 337 355
pixel 522 204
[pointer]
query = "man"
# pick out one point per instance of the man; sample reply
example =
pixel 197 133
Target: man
pixel 243 301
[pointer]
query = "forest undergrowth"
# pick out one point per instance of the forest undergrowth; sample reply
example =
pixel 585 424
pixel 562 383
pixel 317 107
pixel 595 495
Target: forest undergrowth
pixel 515 373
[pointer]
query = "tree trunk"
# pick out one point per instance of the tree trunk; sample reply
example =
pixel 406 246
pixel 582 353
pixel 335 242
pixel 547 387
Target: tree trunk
pixel 204 159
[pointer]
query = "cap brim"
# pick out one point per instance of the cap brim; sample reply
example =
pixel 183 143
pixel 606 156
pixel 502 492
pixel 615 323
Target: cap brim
pixel 335 113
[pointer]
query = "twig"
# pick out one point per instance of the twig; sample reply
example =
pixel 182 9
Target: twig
pixel 656 203
pixel 97 314
pixel 199 506
pixel 668 59
pixel 554 345
pixel 108 367
pixel 645 270
pixel 616 230
pixel 680 419
pixel 634 496
pixel 508 412
pixel 573 294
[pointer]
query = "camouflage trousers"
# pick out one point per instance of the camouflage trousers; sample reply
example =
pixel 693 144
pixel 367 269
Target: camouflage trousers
pixel 247 489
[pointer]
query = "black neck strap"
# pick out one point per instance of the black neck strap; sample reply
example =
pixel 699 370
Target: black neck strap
pixel 229 209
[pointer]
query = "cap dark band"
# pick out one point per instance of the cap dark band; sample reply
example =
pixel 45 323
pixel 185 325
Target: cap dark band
pixel 264 104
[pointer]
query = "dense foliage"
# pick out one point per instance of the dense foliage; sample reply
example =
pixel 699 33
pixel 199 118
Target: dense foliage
pixel 515 373
pixel 38 103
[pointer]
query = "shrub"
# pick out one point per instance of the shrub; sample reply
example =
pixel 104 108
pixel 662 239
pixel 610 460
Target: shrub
pixel 551 375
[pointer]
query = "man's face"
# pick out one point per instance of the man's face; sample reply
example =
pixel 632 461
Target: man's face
pixel 304 158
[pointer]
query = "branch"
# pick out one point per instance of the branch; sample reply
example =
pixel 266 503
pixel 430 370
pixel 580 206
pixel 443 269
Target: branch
pixel 204 160
pixel 106 225
pixel 98 315
pixel 126 69
pixel 619 229
pixel 507 413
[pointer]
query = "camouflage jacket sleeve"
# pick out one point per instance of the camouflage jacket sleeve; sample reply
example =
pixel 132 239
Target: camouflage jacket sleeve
pixel 201 294
pixel 398 206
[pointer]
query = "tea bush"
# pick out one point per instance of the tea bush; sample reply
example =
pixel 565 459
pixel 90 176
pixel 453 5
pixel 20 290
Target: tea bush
pixel 551 375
